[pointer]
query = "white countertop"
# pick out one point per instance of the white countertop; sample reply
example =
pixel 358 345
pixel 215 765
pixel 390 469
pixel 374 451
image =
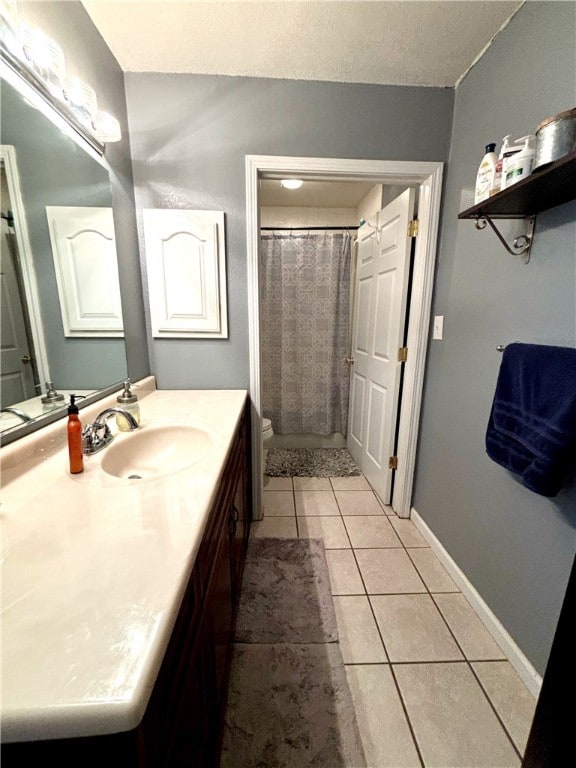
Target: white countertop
pixel 94 570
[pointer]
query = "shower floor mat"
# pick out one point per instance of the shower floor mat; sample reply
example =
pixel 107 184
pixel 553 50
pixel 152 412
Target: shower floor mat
pixel 310 462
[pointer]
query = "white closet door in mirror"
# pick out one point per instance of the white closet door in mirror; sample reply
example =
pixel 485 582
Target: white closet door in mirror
pixel 186 270
pixel 84 252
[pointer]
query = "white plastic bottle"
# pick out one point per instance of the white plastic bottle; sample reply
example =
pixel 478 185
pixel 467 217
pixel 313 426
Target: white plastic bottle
pixel 507 156
pixel 485 175
pixel 520 165
pixel 498 175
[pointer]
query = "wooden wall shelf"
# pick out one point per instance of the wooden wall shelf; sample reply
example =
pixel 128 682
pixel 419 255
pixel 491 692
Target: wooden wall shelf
pixel 542 190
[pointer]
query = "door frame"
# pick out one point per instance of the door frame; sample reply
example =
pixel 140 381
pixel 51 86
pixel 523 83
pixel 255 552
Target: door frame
pixel 428 176
pixel 28 271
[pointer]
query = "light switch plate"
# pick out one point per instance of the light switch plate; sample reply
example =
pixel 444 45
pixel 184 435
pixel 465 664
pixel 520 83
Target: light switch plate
pixel 438 327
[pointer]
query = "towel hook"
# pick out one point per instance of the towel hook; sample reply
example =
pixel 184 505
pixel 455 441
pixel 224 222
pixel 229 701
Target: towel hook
pixel 502 347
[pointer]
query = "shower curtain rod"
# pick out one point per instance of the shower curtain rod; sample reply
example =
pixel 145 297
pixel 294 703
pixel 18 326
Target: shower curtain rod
pixel 272 229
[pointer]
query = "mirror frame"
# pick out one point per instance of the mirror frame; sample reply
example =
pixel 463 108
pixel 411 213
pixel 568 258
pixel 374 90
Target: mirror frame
pixel 32 89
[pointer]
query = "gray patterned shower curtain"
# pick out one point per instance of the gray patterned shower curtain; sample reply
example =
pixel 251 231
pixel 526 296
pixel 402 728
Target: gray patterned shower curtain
pixel 305 284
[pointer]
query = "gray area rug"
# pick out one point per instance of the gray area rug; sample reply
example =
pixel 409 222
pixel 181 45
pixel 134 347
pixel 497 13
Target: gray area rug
pixel 289 704
pixel 286 594
pixel 310 462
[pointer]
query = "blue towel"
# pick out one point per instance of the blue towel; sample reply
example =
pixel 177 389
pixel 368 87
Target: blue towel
pixel 532 425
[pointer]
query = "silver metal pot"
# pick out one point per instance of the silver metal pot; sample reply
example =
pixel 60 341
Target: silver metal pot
pixel 555 137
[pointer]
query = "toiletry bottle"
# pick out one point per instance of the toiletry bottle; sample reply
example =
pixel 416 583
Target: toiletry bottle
pixel 520 165
pixel 128 402
pixel 507 155
pixel 74 438
pixel 485 175
pixel 498 175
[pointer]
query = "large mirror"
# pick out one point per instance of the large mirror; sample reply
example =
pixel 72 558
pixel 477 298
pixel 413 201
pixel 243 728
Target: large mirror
pixel 61 321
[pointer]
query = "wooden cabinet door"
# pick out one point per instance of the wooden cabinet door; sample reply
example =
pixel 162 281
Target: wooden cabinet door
pixel 220 610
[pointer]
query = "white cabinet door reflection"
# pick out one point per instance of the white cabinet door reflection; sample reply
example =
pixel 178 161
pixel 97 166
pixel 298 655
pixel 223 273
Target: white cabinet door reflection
pixel 84 252
pixel 186 273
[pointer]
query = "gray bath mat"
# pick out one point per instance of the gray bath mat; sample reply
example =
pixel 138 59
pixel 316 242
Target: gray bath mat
pixel 289 706
pixel 286 595
pixel 310 462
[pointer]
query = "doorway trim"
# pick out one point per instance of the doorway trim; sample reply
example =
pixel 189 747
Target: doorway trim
pixel 28 272
pixel 429 178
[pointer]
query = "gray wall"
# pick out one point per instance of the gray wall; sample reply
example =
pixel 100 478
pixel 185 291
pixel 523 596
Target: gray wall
pixel 190 135
pixel 89 58
pixel 515 546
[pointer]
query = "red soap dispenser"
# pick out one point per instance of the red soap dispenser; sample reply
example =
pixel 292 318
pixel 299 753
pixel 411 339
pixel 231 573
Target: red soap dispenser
pixel 75 438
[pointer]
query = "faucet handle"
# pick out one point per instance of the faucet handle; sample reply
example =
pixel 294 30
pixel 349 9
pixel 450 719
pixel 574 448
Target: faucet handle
pixel 95 437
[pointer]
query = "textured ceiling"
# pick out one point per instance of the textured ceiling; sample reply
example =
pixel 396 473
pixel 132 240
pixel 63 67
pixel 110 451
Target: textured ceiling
pixel 399 43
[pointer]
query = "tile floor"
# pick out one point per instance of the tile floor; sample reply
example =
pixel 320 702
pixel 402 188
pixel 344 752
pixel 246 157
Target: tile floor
pixel 431 687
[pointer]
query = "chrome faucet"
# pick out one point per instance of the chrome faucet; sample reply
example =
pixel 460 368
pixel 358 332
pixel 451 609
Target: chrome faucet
pixel 97 435
pixel 16 412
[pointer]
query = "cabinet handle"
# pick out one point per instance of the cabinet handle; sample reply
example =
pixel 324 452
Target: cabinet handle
pixel 235 515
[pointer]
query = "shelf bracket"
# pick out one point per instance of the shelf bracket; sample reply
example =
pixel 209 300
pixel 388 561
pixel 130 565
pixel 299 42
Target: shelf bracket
pixel 521 245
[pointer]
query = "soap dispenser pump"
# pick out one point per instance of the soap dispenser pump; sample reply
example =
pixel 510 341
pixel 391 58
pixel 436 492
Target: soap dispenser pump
pixel 74 429
pixel 128 401
pixel 51 399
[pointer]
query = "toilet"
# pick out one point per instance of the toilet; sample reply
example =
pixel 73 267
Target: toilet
pixel 267 430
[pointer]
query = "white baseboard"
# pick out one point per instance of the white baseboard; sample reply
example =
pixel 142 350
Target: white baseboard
pixel 529 675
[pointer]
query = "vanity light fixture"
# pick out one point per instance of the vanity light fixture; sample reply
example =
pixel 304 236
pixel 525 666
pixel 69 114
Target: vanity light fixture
pixel 39 61
pixel 291 183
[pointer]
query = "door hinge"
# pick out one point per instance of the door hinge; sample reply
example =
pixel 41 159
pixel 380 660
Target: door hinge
pixel 402 354
pixel 393 462
pixel 350 360
pixel 413 228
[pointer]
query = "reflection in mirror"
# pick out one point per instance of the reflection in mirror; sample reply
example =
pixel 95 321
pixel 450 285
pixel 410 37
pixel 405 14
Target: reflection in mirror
pixel 61 322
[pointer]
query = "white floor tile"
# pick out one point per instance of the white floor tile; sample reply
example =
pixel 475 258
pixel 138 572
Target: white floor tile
pixel 275 527
pixel 435 576
pixel 331 529
pixel 344 574
pixel 371 532
pixel 356 483
pixel 358 503
pixel 413 629
pixel 473 637
pixel 410 535
pixel 358 635
pixel 312 484
pixel 384 730
pixel 278 503
pixel 277 483
pixel 316 503
pixel 510 697
pixel 452 720
pixel 388 571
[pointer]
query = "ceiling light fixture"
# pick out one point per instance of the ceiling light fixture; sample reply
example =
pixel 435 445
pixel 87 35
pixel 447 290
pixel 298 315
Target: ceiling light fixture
pixel 291 183
pixel 40 62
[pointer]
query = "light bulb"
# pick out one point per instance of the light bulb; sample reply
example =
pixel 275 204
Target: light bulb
pixel 291 183
pixel 45 57
pixel 81 99
pixel 106 127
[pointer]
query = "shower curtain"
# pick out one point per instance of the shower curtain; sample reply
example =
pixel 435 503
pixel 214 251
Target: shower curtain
pixel 305 319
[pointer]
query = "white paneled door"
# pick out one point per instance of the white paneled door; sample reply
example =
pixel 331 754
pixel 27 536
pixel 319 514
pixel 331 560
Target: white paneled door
pixel 186 269
pixel 86 265
pixel 381 298
pixel 16 371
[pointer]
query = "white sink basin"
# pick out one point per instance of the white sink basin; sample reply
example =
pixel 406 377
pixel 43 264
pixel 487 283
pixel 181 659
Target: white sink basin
pixel 154 451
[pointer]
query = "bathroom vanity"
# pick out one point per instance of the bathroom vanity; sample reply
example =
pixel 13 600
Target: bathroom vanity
pixel 120 594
